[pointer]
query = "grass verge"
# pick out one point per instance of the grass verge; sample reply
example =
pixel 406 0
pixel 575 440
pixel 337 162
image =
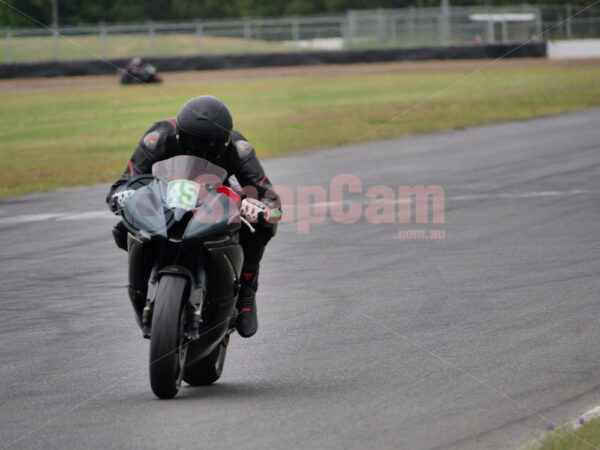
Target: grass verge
pixel 43 48
pixel 585 437
pixel 69 137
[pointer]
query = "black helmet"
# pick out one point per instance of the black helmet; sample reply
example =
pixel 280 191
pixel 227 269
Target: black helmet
pixel 204 127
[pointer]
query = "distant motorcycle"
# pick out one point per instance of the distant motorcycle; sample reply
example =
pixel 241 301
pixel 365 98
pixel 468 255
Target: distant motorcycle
pixel 191 223
pixel 137 72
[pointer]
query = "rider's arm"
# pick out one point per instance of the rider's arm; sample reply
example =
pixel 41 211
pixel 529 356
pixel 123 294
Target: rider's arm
pixel 252 178
pixel 152 147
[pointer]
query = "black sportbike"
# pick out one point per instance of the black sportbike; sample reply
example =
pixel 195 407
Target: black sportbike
pixel 187 225
pixel 138 74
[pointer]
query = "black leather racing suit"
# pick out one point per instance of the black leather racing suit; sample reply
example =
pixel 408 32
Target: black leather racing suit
pixel 160 142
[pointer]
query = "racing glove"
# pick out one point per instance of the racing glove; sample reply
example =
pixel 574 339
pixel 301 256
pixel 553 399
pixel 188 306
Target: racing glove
pixel 256 211
pixel 118 200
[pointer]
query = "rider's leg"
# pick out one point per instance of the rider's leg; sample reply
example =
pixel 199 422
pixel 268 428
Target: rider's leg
pixel 253 245
pixel 140 268
pixel 139 272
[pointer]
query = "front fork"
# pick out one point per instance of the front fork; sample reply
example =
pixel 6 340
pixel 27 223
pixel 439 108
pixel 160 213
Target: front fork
pixel 193 304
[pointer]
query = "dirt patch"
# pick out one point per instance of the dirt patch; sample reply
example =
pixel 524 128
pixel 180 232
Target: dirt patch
pixel 101 81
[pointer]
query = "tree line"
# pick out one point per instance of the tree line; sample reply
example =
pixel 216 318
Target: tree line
pixel 25 13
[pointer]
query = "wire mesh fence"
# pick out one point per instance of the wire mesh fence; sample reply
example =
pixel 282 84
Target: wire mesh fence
pixel 382 28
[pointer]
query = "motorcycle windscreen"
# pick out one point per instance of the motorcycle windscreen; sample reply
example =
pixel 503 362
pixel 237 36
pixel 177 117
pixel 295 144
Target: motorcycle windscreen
pixel 146 211
pixel 193 168
pixel 216 214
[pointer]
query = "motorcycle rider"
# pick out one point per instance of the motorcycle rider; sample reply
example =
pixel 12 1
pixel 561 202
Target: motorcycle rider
pixel 204 128
pixel 137 72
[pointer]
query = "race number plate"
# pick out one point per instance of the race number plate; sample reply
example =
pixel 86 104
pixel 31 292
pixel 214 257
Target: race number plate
pixel 182 194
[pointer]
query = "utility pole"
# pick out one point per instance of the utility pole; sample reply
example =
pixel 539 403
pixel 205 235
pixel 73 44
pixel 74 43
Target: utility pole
pixel 54 6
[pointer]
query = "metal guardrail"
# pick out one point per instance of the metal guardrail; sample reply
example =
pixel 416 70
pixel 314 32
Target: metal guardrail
pixel 382 28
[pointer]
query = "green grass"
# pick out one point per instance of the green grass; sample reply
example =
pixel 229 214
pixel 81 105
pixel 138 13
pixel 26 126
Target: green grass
pixel 69 137
pixel 42 48
pixel 46 48
pixel 584 438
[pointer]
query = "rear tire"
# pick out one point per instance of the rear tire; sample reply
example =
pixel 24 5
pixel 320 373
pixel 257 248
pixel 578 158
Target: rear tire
pixel 167 352
pixel 208 369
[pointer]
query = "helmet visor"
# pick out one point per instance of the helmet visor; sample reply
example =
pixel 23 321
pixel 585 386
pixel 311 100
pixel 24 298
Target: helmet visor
pixel 209 149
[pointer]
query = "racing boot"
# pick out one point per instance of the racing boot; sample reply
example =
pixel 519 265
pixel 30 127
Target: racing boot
pixel 247 320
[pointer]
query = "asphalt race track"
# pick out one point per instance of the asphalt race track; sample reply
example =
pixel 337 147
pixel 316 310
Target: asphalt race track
pixel 367 339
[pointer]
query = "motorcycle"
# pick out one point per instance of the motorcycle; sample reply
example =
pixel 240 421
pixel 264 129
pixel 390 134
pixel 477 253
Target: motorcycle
pixel 140 73
pixel 186 223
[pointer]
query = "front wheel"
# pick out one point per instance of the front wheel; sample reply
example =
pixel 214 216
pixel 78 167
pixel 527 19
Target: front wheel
pixel 167 349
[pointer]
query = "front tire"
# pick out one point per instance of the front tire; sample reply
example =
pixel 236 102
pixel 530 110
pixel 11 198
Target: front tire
pixel 167 349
